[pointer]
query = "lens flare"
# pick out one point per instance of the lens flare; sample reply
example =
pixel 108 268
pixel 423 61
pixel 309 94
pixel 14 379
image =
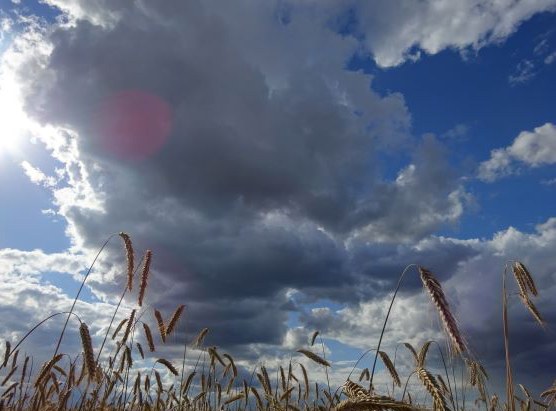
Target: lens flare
pixel 132 124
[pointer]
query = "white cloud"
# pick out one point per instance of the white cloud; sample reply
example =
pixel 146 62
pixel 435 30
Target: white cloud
pixel 531 148
pixel 37 176
pixel 551 58
pixel 524 71
pixel 394 29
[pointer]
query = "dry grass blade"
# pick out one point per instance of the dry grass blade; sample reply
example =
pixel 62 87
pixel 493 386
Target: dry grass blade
pixel 129 257
pixel 390 367
pixel 161 326
pixel 312 356
pixel 437 296
pixel 174 320
pixel 432 387
pixel 145 276
pixel 168 365
pixel 149 337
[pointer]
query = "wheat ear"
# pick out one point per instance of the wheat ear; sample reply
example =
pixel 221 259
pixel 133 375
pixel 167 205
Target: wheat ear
pixel 88 357
pixel 161 326
pixel 129 257
pixel 168 365
pixel 128 326
pixel 311 355
pixel 390 366
pixel 145 276
pixel 149 337
pixel 174 320
pixel 436 293
pixel 432 387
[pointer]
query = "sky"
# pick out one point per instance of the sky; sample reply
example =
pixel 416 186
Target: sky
pixel 284 161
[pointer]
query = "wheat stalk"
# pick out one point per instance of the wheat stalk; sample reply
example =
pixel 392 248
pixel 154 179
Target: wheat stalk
pixel 128 326
pixel 200 338
pixel 46 368
pixel 145 276
pixel 161 326
pixel 390 367
pixel 355 391
pixel 520 270
pixel 149 337
pixel 168 365
pixel 129 257
pixel 311 355
pixel 234 399
pixel 119 327
pixel 432 387
pixel 175 318
pixel 88 357
pixel 436 293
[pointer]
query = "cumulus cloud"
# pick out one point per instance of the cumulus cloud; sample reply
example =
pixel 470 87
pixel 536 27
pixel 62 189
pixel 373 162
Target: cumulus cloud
pixel 531 148
pixel 396 31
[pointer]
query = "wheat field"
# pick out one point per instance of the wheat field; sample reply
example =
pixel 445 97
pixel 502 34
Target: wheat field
pixel 107 376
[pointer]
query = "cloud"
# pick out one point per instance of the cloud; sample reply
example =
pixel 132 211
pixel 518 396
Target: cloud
pixel 532 148
pixel 524 71
pixel 395 31
pixel 37 176
pixel 551 58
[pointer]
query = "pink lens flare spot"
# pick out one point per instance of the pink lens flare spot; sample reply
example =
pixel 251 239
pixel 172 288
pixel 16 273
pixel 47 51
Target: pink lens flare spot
pixel 133 124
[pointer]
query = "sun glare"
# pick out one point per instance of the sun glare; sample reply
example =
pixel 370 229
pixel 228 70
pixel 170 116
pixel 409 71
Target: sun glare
pixel 12 118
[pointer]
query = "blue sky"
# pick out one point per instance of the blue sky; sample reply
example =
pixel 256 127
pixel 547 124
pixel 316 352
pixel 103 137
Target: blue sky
pixel 290 165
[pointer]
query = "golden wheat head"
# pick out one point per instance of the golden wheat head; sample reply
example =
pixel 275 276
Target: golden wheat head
pixel 88 356
pixel 129 257
pixel 436 293
pixel 145 276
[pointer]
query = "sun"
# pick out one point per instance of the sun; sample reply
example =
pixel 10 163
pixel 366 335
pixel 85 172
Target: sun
pixel 13 121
